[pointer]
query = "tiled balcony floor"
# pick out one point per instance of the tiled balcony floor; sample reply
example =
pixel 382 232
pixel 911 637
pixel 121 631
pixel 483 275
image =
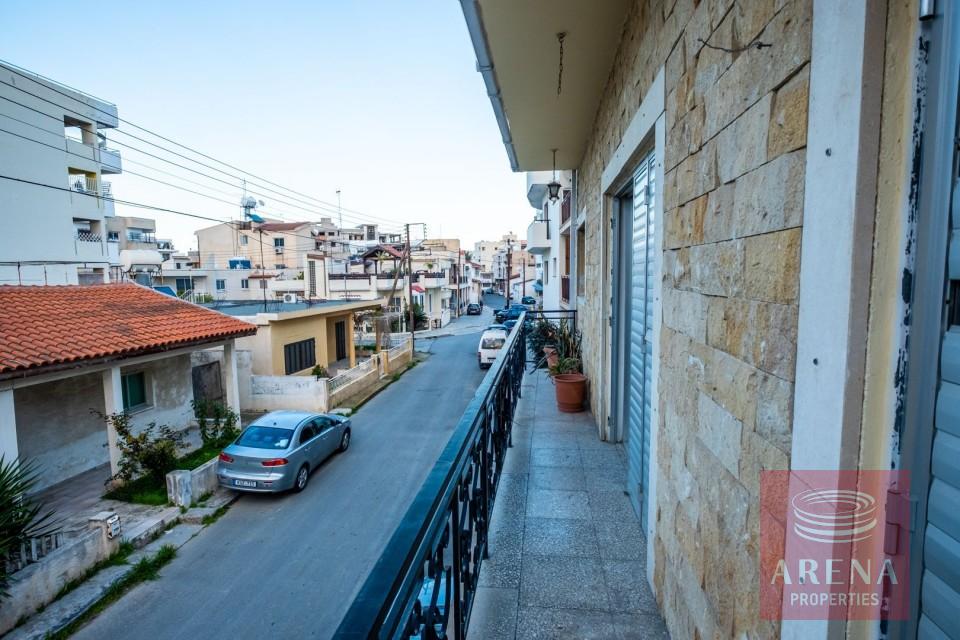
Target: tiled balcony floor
pixel 567 554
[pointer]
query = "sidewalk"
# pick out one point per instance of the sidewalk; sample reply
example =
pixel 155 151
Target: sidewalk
pixel 567 554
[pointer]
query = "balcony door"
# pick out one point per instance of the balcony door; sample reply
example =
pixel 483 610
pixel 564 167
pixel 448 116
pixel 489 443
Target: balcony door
pixel 633 293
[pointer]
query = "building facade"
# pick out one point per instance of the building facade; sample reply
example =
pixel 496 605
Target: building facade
pixel 56 203
pixel 757 190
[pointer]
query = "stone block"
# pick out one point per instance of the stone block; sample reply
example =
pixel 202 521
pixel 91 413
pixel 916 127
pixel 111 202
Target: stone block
pixel 770 198
pixel 717 269
pixel 761 334
pixel 684 227
pixel 759 455
pixel 742 146
pixel 696 175
pixel 788 116
pixel 773 266
pixel 718 224
pixel 749 19
pixel 685 138
pixel 774 421
pixel 720 433
pixel 732 384
pixel 684 311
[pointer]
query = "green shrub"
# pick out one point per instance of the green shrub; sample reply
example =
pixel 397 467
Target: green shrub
pixel 218 423
pixel 21 517
pixel 152 452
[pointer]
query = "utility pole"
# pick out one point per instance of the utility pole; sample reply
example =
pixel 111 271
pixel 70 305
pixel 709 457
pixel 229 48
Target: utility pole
pixel 410 317
pixel 523 278
pixel 509 269
pixel 459 274
pixel 263 272
pixel 340 210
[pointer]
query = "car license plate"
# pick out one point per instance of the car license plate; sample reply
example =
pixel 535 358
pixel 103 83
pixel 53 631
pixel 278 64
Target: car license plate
pixel 245 483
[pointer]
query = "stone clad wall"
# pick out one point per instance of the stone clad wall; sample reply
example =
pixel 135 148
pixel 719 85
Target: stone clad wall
pixel 733 201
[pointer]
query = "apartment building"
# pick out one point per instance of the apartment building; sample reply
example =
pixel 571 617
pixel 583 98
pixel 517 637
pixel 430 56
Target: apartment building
pixel 548 236
pixel 484 251
pixel 761 241
pixel 55 201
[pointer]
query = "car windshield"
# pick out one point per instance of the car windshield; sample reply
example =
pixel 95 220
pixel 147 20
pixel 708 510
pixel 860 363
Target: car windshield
pixel 492 343
pixel 259 437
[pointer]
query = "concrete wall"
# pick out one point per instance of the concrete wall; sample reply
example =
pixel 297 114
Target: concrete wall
pixel 169 393
pixel 57 428
pixel 272 393
pixel 38 583
pixel 395 363
pixel 733 159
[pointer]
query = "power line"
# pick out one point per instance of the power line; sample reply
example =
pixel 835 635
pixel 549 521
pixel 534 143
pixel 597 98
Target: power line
pixel 64 150
pixel 16 69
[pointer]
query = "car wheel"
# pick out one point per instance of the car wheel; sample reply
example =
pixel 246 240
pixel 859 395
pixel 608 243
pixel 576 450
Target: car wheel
pixel 344 441
pixel 303 477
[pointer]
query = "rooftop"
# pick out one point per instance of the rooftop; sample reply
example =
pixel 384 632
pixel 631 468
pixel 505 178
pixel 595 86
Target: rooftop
pixel 47 327
pixel 252 308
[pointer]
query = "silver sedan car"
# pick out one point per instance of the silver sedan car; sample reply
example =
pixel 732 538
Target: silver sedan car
pixel 279 450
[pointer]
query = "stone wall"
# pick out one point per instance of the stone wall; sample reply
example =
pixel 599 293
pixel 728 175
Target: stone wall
pixel 732 202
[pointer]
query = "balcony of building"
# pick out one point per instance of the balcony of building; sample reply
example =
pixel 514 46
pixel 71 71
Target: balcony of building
pixel 538 237
pixel 431 279
pixel 110 162
pixel 521 530
pixel 340 282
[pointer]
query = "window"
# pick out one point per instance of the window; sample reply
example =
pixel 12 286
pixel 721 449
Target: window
pixel 278 242
pixel 113 236
pixel 183 284
pixel 134 390
pixel 259 437
pixel 546 272
pixel 244 283
pixel 221 285
pixel 322 424
pixel 244 240
pixel 279 266
pixel 298 356
pixel 307 433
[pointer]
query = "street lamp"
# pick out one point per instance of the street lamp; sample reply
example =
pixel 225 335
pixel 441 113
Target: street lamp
pixel 553 186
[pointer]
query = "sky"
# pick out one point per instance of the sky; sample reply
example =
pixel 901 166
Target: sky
pixel 377 98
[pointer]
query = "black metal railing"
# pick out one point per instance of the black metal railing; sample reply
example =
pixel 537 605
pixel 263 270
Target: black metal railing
pixel 555 316
pixel 424 583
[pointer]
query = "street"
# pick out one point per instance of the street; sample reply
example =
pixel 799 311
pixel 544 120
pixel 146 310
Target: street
pixel 289 565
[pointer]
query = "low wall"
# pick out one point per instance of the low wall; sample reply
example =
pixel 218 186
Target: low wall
pixel 37 584
pixel 186 487
pixel 356 389
pixel 397 361
pixel 272 393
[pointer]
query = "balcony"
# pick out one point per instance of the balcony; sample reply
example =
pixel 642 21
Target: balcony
pixel 340 282
pixel 110 162
pixel 521 530
pixel 432 280
pixel 565 289
pixel 89 245
pixel 538 238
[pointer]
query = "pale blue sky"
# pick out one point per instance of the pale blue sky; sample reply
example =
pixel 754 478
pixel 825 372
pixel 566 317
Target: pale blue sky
pixel 379 98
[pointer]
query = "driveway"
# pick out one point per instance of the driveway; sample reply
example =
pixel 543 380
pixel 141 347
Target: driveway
pixel 289 566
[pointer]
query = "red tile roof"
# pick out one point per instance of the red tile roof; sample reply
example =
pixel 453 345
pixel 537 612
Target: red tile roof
pixel 43 327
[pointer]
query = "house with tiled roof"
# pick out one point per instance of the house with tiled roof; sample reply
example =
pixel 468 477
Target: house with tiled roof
pixel 70 354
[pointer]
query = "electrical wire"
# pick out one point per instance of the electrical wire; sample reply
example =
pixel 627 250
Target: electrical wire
pixel 333 208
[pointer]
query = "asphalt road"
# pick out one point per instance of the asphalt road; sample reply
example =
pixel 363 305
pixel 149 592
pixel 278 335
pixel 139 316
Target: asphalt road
pixel 289 565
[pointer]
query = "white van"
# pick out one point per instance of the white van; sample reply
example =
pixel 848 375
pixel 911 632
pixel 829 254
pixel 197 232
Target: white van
pixel 491 342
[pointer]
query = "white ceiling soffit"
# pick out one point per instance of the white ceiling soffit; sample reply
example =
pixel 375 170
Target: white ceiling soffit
pixel 518 54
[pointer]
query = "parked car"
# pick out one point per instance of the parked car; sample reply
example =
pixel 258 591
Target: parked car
pixel 491 341
pixel 509 324
pixel 498 327
pixel 278 451
pixel 473 309
pixel 510 313
pixel 529 302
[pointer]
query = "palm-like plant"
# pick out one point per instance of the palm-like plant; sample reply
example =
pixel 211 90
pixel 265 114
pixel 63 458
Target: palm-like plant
pixel 21 517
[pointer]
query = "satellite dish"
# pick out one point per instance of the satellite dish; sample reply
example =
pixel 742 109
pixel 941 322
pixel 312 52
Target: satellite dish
pixel 262 203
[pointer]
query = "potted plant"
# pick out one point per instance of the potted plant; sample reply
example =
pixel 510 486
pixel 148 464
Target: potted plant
pixel 567 373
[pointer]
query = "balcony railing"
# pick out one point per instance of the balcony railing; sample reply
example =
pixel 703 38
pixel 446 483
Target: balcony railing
pixel 84 184
pixel 89 236
pixel 565 288
pixel 424 583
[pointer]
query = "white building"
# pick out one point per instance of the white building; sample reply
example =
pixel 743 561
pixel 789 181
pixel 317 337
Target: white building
pixel 548 236
pixel 55 203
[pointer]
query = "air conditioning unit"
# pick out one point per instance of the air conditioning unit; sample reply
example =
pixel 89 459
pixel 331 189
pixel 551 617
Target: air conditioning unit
pixel 290 298
pixel 278 250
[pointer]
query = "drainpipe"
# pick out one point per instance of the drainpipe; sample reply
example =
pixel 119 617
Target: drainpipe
pixel 471 13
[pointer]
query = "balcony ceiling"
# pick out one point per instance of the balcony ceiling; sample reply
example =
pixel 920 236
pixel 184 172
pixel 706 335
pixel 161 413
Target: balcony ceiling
pixel 519 40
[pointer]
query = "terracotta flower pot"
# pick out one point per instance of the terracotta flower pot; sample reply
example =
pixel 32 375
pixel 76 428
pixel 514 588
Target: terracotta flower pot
pixel 552 357
pixel 571 388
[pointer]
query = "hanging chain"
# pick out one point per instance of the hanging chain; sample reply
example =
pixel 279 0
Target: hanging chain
pixel 560 37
